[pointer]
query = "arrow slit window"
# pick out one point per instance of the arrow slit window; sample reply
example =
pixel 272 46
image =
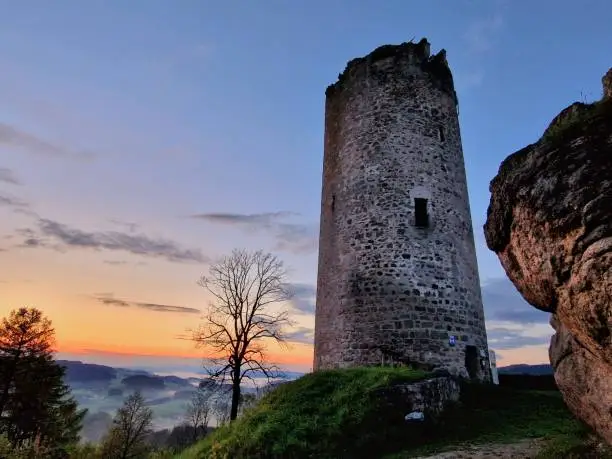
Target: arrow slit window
pixel 421 217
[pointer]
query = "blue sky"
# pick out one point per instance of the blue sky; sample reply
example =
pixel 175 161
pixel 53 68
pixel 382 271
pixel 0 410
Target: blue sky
pixel 126 127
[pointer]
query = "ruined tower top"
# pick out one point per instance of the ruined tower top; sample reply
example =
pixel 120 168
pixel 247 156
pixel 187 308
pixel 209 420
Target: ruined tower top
pixel 418 54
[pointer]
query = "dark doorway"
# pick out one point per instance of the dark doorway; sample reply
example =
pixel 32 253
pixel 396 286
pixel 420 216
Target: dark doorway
pixel 471 362
pixel 421 219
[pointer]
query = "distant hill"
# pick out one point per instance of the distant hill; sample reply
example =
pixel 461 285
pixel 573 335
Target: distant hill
pixel 81 372
pixel 524 369
pixel 77 371
pixel 142 382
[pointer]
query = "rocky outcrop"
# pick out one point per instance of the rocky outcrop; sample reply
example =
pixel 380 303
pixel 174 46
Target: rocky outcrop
pixel 585 379
pixel 430 397
pixel 607 84
pixel 550 223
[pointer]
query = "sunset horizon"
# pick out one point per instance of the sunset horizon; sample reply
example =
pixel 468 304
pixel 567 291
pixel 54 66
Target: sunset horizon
pixel 166 135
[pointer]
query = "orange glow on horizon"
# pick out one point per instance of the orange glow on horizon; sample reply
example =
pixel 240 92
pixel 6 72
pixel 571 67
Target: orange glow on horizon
pixel 86 327
pixel 297 354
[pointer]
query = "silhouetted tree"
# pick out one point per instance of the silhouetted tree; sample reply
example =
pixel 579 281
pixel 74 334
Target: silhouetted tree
pixel 243 287
pixel 197 413
pixel 127 438
pixel 36 404
pixel 25 333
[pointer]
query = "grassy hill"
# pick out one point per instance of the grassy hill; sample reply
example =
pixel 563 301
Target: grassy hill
pixel 337 414
pixel 312 417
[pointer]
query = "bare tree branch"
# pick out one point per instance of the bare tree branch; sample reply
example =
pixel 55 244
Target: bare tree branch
pixel 243 286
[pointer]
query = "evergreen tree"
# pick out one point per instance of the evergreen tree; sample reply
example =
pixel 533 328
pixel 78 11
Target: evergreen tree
pixel 36 406
pixel 25 333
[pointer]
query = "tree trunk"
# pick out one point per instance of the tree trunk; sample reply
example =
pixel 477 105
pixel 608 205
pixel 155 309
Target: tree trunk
pixel 235 394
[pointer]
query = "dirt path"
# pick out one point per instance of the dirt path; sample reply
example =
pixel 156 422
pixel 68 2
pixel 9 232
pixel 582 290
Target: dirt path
pixel 525 449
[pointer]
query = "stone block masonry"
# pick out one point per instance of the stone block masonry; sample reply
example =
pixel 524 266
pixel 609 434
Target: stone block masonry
pixel 397 277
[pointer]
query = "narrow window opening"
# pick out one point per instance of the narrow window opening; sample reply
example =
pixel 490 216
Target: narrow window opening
pixel 421 219
pixel 333 203
pixel 441 133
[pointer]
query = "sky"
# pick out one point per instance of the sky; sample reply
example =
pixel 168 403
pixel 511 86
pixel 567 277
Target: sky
pixel 141 140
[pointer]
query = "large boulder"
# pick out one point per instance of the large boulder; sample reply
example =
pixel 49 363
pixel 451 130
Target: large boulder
pixel 550 223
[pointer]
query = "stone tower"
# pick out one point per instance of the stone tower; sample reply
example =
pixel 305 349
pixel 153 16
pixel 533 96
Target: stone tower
pixel 397 277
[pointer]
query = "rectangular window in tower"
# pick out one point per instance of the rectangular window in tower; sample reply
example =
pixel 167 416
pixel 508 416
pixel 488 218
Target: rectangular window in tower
pixel 333 203
pixel 421 218
pixel 441 133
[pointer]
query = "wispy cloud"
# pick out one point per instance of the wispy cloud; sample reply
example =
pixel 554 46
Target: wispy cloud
pixel 289 237
pixel 59 236
pixel 304 297
pixel 504 338
pixel 266 218
pixel 130 226
pixel 479 38
pixel 512 322
pixel 503 303
pixel 296 238
pixel 11 201
pixel 8 176
pixel 30 239
pixel 122 263
pixel 15 204
pixel 109 299
pixel 480 34
pixel 15 138
pixel 302 335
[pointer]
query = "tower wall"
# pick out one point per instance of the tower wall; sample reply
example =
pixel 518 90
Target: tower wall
pixel 389 291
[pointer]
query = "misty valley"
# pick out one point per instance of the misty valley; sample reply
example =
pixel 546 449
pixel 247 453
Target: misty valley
pixel 102 390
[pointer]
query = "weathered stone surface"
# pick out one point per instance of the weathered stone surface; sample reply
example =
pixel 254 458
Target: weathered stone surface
pixel 607 84
pixel 430 396
pixel 583 378
pixel 389 291
pixel 550 223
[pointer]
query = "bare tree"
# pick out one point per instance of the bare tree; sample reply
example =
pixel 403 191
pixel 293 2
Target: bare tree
pixel 130 429
pixel 221 410
pixel 198 412
pixel 244 287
